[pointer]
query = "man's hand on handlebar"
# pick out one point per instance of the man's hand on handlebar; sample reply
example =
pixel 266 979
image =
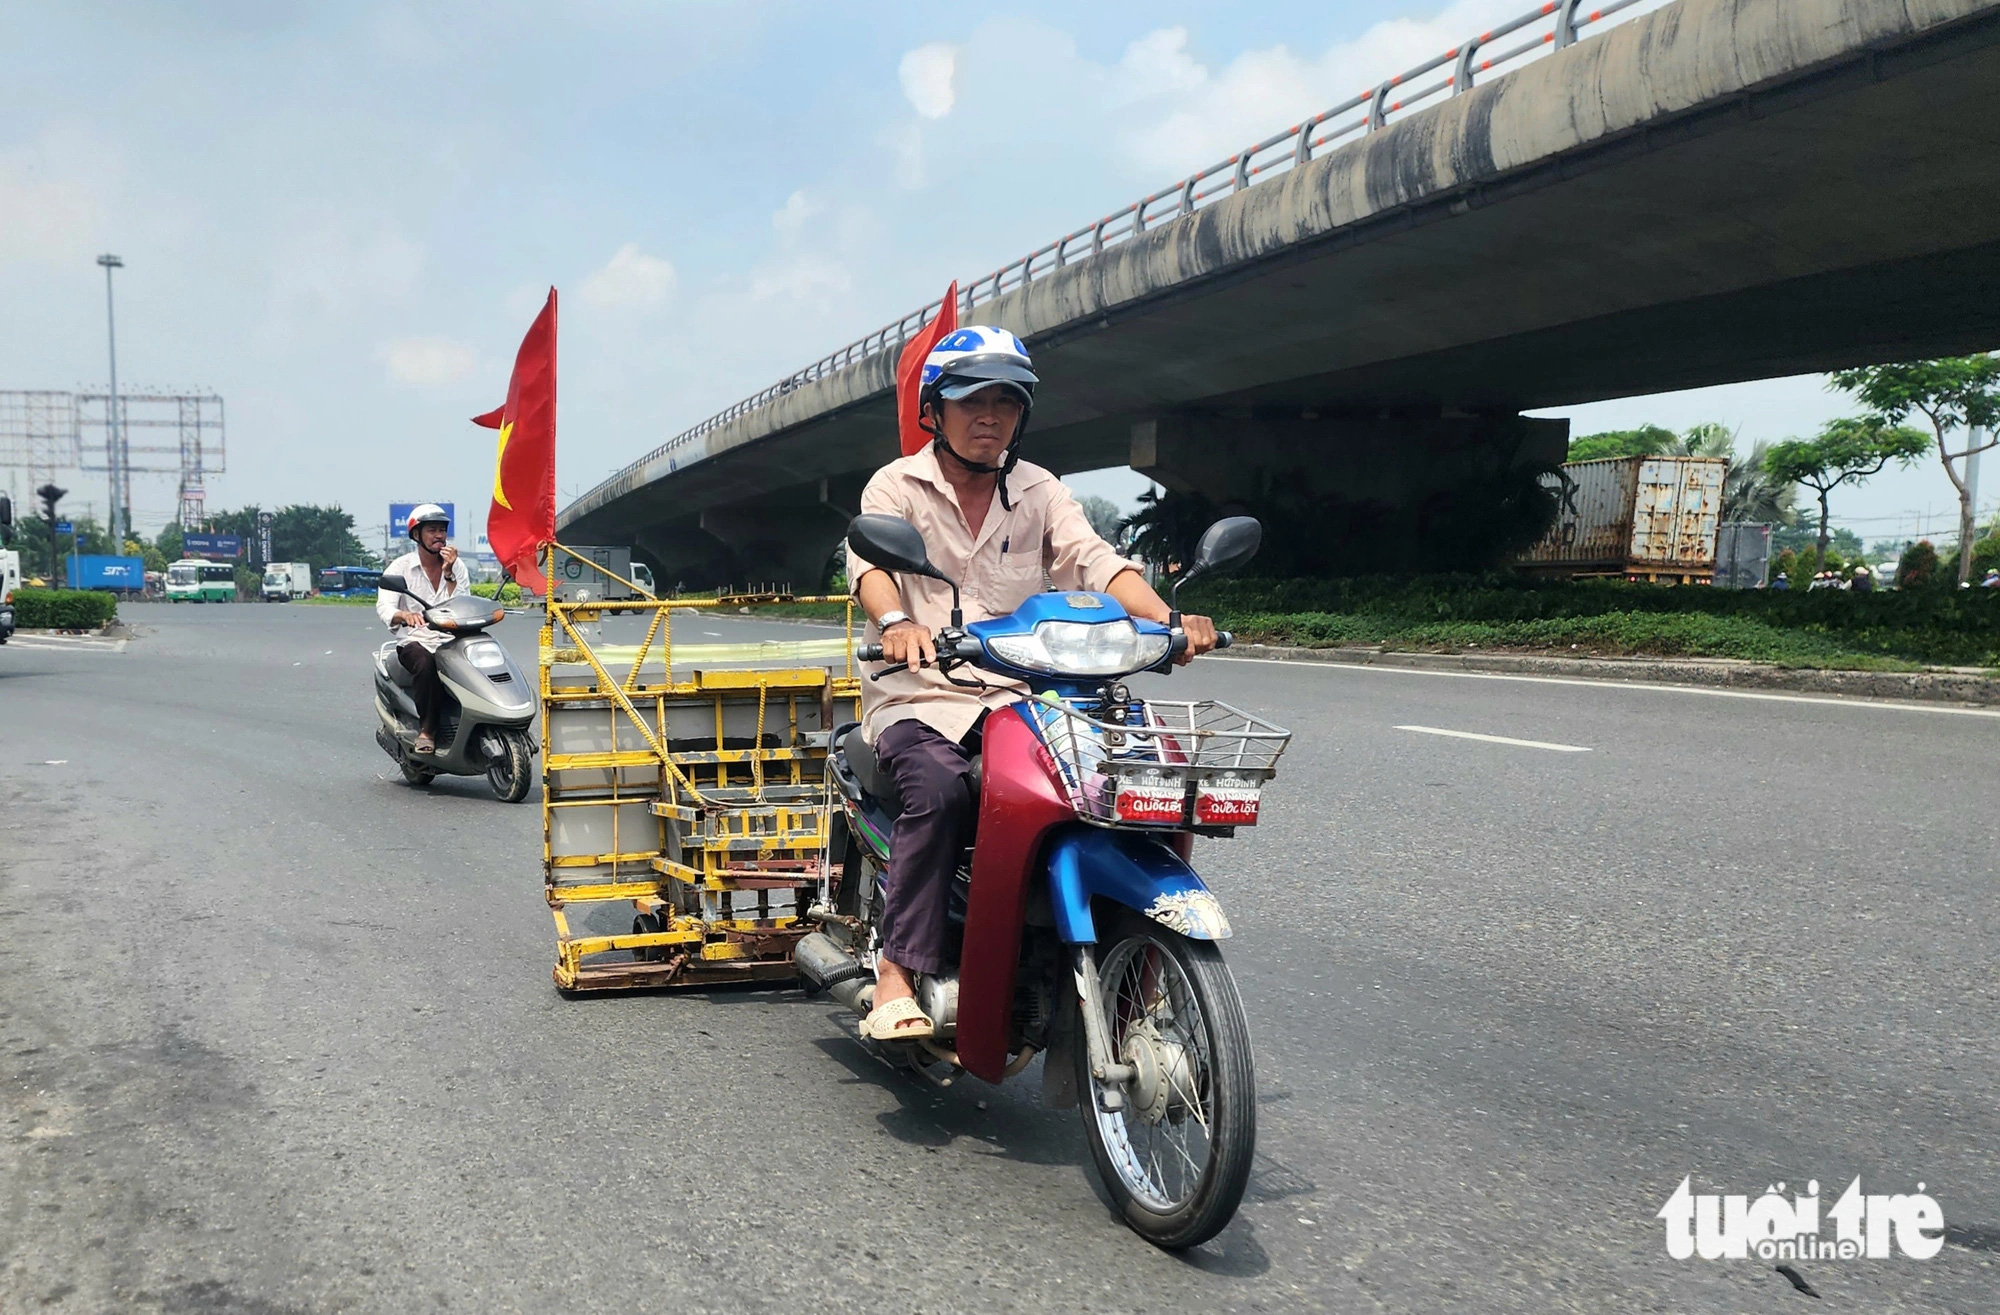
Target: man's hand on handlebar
pixel 408 619
pixel 1201 638
pixel 910 643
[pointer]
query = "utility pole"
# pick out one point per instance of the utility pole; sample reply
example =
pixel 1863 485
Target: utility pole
pixel 113 430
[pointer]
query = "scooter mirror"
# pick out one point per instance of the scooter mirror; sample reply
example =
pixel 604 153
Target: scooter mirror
pixel 393 583
pixel 892 543
pixel 1228 543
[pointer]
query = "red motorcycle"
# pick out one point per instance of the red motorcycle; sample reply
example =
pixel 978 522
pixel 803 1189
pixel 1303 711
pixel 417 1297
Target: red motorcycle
pixel 1084 935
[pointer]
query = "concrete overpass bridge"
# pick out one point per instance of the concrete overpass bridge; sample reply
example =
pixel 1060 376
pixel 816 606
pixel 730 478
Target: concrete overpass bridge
pixel 1363 305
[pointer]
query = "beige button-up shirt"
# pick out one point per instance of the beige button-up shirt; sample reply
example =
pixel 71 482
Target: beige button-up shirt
pixel 1045 531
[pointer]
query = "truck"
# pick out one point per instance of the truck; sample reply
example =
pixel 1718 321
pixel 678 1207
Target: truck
pixel 573 578
pixel 1636 518
pixel 125 575
pixel 284 581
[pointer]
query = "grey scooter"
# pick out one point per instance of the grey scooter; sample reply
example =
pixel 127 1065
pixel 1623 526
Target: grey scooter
pixel 487 706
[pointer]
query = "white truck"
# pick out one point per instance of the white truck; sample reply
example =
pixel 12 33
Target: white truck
pixel 284 581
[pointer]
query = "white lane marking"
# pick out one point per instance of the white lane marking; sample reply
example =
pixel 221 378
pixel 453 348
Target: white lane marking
pixel 43 644
pixel 1498 739
pixel 1854 701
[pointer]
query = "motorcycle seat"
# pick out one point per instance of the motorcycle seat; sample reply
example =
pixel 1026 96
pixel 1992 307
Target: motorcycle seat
pixel 876 783
pixel 399 675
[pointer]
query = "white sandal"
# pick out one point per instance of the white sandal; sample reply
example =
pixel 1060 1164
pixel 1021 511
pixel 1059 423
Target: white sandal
pixel 895 1022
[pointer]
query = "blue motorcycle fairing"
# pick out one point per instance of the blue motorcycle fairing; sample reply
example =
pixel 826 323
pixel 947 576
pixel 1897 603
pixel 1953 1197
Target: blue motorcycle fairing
pixel 1054 605
pixel 1137 871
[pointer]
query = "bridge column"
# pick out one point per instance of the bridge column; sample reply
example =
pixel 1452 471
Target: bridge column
pixel 788 539
pixel 1354 492
pixel 683 556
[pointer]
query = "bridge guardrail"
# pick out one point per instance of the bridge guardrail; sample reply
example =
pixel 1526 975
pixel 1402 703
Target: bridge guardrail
pixel 1363 113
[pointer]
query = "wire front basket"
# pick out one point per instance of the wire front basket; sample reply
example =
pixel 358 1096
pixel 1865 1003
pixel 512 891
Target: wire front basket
pixel 1168 764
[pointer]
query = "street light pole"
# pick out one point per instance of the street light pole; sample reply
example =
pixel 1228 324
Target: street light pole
pixel 113 429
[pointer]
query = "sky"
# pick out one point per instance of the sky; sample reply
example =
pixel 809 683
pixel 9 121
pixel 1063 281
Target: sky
pixel 342 217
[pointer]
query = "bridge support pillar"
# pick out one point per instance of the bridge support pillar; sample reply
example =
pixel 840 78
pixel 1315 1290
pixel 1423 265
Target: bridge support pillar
pixel 787 540
pixel 1358 492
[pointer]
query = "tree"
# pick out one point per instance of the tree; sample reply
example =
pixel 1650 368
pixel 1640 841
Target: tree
pixel 1708 439
pixel 1749 493
pixel 1104 517
pixel 1954 392
pixel 1918 566
pixel 1645 441
pixel 1846 451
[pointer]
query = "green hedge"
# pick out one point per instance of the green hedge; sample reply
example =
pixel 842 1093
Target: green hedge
pixel 1942 626
pixel 509 594
pixel 63 609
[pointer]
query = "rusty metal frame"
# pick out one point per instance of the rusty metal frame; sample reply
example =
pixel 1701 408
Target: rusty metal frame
pixel 727 828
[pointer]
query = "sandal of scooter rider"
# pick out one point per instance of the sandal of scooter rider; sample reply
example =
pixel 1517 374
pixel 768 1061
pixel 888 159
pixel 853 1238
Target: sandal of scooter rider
pixel 899 1020
pixel 424 744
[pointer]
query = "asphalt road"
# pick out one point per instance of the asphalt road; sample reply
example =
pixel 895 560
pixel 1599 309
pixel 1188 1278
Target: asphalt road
pixel 277 1032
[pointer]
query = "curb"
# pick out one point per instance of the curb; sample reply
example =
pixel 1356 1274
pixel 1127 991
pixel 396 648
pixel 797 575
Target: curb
pixel 1961 687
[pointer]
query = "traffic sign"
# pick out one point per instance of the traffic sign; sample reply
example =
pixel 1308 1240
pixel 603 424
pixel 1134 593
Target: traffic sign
pixel 64 527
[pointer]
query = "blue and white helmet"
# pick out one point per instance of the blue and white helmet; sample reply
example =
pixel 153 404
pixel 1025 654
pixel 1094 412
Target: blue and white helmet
pixel 977 357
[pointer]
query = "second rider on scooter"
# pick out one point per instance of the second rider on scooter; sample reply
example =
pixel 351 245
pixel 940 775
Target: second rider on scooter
pixel 433 573
pixel 978 390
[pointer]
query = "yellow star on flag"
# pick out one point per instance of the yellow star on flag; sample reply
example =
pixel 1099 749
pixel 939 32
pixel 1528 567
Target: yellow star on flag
pixel 499 460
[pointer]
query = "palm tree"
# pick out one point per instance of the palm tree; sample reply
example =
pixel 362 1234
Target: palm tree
pixel 1749 493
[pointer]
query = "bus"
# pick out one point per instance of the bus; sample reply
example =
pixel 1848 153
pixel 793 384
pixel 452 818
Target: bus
pixel 192 580
pixel 348 582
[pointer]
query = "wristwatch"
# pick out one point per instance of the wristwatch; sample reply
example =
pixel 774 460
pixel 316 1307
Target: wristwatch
pixel 891 619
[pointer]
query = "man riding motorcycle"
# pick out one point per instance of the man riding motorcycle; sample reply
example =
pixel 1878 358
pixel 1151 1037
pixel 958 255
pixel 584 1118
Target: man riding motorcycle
pixel 977 391
pixel 433 573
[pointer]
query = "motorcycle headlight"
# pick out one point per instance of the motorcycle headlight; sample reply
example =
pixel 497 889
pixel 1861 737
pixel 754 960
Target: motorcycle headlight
pixel 487 656
pixel 1079 648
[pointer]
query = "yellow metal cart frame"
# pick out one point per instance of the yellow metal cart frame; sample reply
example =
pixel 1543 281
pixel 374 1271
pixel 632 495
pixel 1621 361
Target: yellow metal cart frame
pixel 698 800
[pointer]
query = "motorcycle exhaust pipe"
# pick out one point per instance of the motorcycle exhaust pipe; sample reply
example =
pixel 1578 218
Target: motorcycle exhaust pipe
pixel 827 967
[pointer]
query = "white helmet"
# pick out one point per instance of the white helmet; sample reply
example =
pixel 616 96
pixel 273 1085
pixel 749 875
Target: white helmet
pixel 971 360
pixel 428 513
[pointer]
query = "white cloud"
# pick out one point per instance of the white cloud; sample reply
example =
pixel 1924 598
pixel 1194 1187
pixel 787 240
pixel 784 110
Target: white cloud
pixel 790 219
pixel 428 362
pixel 927 74
pixel 1159 63
pixel 631 278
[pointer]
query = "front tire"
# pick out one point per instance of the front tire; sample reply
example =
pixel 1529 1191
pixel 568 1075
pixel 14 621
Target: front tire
pixel 1176 1158
pixel 509 771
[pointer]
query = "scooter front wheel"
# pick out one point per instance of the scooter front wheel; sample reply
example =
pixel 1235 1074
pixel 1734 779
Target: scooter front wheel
pixel 509 772
pixel 1176 1155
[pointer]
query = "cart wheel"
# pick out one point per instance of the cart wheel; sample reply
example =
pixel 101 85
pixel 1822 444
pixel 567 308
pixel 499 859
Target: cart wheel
pixel 647 924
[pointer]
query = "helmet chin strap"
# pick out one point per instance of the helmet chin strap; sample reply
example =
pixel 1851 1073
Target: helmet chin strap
pixel 1012 457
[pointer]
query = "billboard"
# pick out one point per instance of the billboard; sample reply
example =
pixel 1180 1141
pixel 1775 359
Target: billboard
pixel 196 544
pixel 399 517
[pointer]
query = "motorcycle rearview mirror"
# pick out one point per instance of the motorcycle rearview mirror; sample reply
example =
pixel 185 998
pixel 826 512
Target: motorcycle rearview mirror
pixel 894 544
pixel 1225 545
pixel 393 583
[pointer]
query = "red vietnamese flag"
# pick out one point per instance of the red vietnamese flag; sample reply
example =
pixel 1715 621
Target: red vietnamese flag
pixel 910 373
pixel 523 516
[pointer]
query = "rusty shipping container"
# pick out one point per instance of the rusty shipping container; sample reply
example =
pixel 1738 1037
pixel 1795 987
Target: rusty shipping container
pixel 1645 518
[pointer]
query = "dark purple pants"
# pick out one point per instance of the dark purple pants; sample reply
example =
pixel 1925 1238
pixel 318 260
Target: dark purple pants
pixel 934 777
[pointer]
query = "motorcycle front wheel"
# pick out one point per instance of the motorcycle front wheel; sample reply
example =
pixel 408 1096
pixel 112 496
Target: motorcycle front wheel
pixel 509 771
pixel 1176 1157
